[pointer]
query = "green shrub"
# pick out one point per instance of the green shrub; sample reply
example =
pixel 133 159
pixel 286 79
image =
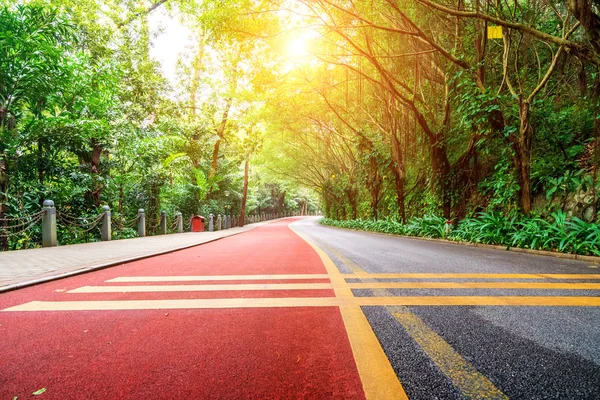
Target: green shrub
pixel 427 226
pixel 560 233
pixel 488 228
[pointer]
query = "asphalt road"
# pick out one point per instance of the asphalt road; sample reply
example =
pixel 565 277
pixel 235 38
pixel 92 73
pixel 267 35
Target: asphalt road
pixel 455 352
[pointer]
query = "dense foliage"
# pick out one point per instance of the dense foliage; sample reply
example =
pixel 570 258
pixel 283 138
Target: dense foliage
pixel 87 119
pixel 385 109
pixel 418 111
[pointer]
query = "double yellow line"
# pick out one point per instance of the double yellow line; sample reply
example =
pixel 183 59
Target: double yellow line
pixel 470 382
pixel 376 373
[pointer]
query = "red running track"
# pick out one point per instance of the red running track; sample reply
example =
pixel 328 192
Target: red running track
pixel 249 353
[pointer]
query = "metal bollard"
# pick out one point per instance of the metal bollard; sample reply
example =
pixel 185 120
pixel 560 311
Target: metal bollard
pixel 48 224
pixel 211 226
pixel 141 223
pixel 179 223
pixel 219 222
pixel 163 222
pixel 105 230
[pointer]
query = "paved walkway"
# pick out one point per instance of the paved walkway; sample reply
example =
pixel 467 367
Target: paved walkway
pixel 253 316
pixel 24 267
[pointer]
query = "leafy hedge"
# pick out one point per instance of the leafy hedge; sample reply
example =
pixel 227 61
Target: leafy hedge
pixel 560 233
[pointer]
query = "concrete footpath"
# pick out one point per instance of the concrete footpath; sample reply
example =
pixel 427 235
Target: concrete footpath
pixel 25 267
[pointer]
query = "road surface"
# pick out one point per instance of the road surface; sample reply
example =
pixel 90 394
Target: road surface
pixel 455 352
pixel 305 311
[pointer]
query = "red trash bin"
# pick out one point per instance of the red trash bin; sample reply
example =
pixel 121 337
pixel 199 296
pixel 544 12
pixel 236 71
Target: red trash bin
pixel 197 223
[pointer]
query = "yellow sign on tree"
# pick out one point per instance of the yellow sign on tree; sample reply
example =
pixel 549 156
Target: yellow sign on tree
pixel 494 32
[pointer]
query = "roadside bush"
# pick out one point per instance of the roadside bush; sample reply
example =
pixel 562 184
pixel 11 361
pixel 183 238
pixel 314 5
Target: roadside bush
pixel 488 228
pixel 560 233
pixel 427 226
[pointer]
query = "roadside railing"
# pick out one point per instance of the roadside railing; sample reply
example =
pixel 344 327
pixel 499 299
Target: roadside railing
pixel 51 218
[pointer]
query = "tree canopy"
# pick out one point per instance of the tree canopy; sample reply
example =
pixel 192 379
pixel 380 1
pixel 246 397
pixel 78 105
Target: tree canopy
pixel 380 109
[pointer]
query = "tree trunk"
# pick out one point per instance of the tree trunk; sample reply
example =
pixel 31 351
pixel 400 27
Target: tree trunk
pixel 220 135
pixel 281 202
pixel 441 171
pixel 398 170
pixel 522 149
pixel 244 190
pixel 96 188
pixel 121 198
pixel 596 146
pixel 375 204
pixel 153 211
pixel 352 194
pixel 374 183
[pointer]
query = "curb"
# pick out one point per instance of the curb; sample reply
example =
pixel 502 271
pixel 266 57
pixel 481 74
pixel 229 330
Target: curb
pixel 570 256
pixel 109 264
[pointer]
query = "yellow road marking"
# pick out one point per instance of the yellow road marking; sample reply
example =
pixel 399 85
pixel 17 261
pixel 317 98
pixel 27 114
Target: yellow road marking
pixel 202 288
pixel 365 275
pixel 355 268
pixel 555 301
pixel 359 274
pixel 175 304
pixel 376 373
pixel 216 278
pixel 476 285
pixel 321 286
pixel 100 305
pixel 462 373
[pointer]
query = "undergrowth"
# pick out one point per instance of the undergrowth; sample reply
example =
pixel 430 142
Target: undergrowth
pixel 559 233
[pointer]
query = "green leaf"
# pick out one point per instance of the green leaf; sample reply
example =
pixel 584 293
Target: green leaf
pixel 38 392
pixel 172 158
